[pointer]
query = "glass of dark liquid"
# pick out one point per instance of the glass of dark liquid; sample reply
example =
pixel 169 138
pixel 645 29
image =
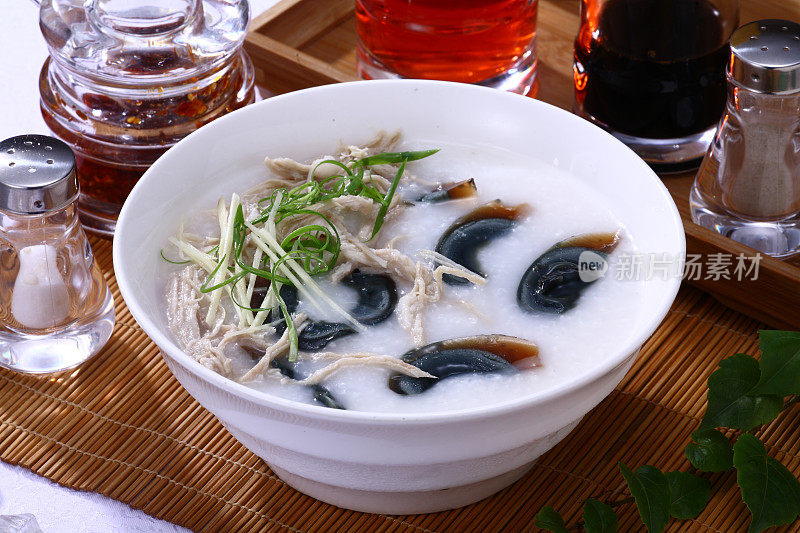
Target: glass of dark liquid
pixel 652 73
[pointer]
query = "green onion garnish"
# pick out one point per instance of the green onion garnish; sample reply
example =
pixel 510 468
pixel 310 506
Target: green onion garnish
pixel 309 250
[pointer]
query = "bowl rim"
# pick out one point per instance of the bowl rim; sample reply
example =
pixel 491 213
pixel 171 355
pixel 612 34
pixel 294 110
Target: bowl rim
pixel 263 399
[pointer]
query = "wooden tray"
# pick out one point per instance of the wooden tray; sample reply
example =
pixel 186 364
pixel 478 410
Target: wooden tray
pixel 304 43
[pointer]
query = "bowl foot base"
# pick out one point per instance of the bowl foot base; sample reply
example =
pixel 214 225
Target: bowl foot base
pixel 400 503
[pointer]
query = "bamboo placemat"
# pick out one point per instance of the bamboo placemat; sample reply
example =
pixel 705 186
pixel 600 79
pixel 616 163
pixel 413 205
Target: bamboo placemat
pixel 122 426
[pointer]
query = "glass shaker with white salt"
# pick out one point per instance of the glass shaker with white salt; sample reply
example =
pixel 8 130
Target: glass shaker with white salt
pixel 55 308
pixel 748 186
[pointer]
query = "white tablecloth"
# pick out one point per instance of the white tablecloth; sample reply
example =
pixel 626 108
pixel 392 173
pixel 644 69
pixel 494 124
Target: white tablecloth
pixel 22 51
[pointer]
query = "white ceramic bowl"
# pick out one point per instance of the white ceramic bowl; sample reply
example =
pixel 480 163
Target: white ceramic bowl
pixel 384 462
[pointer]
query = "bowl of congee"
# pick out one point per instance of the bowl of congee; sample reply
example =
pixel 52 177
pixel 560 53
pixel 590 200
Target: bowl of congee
pixel 399 293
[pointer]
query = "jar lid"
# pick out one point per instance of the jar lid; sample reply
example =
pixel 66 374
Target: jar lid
pixel 37 175
pixel 765 56
pixel 148 43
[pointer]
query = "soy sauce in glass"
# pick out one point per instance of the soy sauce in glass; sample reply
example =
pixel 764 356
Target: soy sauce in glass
pixel 652 70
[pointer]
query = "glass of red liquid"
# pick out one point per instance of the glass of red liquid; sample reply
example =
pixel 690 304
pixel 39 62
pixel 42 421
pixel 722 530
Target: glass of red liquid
pixel 486 42
pixel 652 72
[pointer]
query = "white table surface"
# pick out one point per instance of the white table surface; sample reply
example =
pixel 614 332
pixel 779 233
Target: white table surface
pixel 57 509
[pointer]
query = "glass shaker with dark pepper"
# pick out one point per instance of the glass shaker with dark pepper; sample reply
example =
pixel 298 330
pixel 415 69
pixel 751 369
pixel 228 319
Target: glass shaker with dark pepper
pixel 127 79
pixel 652 72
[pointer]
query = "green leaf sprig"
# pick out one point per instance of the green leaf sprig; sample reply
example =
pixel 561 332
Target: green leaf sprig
pixel 743 394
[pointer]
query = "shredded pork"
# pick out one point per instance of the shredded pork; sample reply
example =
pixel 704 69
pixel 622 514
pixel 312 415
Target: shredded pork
pixel 186 305
pixel 201 326
pixel 361 360
pixel 273 351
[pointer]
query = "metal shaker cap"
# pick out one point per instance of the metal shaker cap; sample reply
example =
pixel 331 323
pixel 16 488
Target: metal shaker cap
pixel 37 175
pixel 765 56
